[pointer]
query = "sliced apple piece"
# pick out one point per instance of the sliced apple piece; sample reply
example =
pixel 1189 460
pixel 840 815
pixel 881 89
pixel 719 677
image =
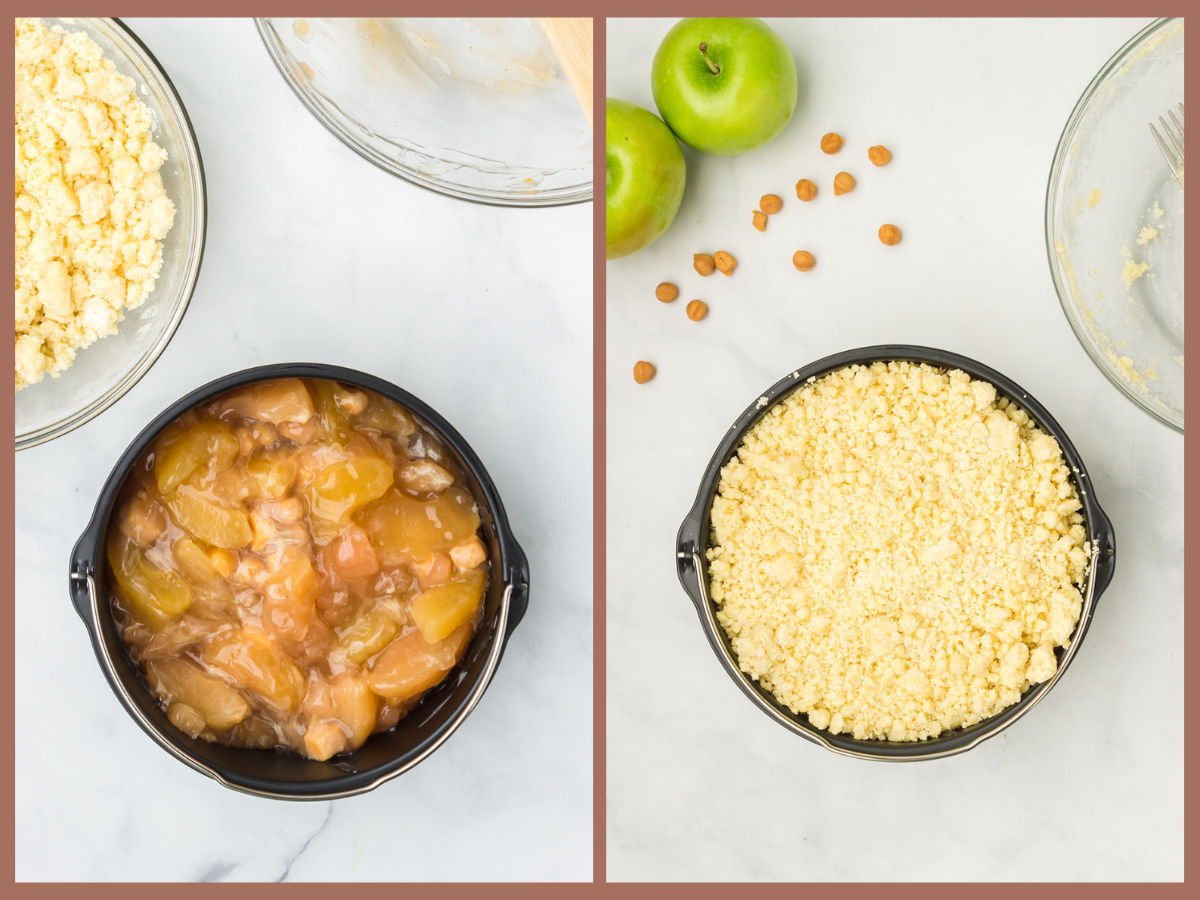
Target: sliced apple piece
pixel 341 490
pixel 446 608
pixel 407 530
pixel 251 659
pixel 277 401
pixel 333 418
pixel 367 634
pixel 212 523
pixel 352 554
pixel 142 521
pixel 209 442
pixel 272 473
pixel 289 597
pixel 154 595
pixel 411 665
pixel 179 681
pixel 356 707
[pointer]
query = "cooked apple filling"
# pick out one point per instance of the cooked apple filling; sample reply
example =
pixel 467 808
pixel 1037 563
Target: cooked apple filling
pixel 294 565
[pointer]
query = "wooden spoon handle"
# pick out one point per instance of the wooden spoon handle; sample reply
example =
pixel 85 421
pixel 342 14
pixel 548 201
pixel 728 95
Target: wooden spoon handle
pixel 572 43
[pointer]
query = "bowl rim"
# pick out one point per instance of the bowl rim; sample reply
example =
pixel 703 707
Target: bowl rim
pixel 1160 412
pixel 87 567
pixel 692 540
pixel 191 275
pixel 484 197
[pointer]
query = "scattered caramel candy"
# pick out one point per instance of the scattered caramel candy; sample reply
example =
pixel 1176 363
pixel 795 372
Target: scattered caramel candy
pixel 643 371
pixel 760 220
pixel 770 204
pixel 889 234
pixel 703 263
pixel 697 310
pixel 803 260
pixel 666 292
pixel 879 154
pixel 843 183
pixel 805 189
pixel 725 262
pixel 832 142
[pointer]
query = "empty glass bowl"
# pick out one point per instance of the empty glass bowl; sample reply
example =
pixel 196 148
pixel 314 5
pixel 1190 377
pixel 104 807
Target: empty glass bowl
pixel 477 109
pixel 1114 223
pixel 103 372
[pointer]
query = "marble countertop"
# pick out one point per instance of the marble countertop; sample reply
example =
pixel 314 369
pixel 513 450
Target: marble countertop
pixel 314 254
pixel 700 784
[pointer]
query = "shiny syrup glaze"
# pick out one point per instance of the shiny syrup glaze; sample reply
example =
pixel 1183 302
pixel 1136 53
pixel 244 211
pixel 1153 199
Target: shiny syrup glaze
pixel 293 565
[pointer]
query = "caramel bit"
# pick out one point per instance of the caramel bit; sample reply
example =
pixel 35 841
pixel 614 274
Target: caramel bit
pixel 805 189
pixel 666 292
pixel 703 263
pixel 803 260
pixel 832 142
pixel 889 234
pixel 843 183
pixel 725 263
pixel 643 371
pixel 697 310
pixel 770 204
pixel 760 220
pixel 879 155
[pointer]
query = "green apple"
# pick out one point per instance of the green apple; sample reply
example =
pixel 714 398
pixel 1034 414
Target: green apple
pixel 644 173
pixel 724 86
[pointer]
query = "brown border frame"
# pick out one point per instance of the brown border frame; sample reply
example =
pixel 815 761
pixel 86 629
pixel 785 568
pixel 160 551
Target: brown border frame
pixel 598 11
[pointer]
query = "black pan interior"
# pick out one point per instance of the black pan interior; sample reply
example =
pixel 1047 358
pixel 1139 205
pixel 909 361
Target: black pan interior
pixel 285 774
pixel 695 531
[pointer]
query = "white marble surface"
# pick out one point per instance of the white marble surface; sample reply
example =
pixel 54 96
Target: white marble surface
pixel 485 313
pixel 700 784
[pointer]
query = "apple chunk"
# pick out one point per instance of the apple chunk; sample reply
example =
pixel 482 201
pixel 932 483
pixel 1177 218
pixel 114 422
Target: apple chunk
pixel 278 401
pixel 445 608
pixel 406 530
pixel 411 665
pixel 220 705
pixel 251 658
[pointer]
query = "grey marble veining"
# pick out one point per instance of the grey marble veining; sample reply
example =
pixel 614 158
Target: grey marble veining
pixel 314 254
pixel 700 784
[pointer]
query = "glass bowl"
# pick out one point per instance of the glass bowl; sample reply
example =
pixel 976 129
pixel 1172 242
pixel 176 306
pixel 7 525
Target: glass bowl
pixel 477 109
pixel 103 372
pixel 1112 207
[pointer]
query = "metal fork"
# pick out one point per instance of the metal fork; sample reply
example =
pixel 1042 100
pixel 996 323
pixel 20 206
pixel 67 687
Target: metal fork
pixel 1173 154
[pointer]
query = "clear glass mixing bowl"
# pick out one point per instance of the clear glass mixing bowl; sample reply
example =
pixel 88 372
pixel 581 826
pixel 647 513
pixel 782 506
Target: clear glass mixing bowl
pixel 1113 206
pixel 477 109
pixel 103 372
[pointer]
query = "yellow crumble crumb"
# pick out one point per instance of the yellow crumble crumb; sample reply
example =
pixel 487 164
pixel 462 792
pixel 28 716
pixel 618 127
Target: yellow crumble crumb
pixel 896 552
pixel 91 211
pixel 1133 270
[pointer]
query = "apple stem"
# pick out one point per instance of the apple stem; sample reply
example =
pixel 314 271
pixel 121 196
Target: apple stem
pixel 712 67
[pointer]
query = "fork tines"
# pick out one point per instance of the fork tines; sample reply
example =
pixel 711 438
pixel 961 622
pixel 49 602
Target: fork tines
pixel 1173 154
